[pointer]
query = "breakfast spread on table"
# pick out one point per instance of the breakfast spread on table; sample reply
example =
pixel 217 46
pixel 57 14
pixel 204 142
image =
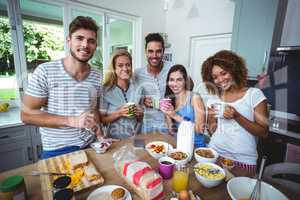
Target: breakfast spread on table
pixel 139 175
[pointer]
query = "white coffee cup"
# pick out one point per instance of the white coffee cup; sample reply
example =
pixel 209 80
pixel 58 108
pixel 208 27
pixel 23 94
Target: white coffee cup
pixel 219 109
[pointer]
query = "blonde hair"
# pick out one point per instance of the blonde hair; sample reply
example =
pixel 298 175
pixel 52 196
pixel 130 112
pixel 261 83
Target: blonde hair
pixel 110 77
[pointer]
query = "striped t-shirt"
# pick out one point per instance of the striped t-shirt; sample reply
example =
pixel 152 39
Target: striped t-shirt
pixel 154 87
pixel 66 97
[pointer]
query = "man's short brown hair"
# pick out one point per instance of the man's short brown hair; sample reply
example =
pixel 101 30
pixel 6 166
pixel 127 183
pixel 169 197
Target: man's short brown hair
pixel 82 22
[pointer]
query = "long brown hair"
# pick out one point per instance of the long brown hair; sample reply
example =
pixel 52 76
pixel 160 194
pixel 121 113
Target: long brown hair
pixel 188 81
pixel 228 61
pixel 110 77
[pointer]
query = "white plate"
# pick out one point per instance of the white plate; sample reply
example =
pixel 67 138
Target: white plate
pixel 108 189
pixel 155 155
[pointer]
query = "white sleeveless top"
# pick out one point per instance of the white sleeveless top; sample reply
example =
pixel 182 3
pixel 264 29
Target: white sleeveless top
pixel 230 139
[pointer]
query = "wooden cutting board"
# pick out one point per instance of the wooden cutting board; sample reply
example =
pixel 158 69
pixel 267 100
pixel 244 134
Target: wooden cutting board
pixel 61 164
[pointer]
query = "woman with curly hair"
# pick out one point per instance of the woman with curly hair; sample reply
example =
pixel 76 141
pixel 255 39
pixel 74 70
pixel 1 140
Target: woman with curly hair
pixel 237 115
pixel 122 120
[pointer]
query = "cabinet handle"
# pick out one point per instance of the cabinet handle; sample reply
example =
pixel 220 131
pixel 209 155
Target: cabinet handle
pixel 39 151
pixel 4 137
pixel 29 153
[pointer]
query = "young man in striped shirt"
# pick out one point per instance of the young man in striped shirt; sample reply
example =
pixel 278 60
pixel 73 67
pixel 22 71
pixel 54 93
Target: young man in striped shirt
pixel 58 96
pixel 152 79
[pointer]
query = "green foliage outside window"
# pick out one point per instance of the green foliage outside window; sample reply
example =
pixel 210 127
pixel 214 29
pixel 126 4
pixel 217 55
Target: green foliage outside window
pixel 39 42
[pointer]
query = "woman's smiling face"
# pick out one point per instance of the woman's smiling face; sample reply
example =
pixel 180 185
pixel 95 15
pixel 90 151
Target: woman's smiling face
pixel 123 68
pixel 222 78
pixel 176 82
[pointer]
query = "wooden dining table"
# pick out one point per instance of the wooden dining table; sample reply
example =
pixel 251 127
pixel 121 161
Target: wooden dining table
pixel 104 164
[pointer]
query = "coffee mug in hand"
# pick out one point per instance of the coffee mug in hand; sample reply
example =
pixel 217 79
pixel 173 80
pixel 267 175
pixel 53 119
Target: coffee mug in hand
pixel 166 167
pixel 165 102
pixel 131 107
pixel 155 103
pixel 219 108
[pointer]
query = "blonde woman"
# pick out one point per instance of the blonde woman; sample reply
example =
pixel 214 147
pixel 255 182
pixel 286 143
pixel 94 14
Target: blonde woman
pixel 122 112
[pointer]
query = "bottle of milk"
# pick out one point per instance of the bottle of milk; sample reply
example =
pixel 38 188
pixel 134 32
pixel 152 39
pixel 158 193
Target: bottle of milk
pixel 185 137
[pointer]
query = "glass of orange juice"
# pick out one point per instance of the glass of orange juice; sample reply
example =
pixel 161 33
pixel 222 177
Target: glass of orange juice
pixel 180 178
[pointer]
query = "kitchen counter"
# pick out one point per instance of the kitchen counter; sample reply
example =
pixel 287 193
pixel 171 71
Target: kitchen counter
pixel 104 163
pixel 10 118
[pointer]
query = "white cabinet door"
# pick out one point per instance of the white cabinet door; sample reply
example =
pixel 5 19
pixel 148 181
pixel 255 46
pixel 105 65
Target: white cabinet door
pixel 201 47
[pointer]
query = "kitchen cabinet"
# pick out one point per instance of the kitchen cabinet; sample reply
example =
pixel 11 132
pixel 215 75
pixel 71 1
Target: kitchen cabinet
pixel 256 24
pixel 15 154
pixel 275 146
pixel 19 145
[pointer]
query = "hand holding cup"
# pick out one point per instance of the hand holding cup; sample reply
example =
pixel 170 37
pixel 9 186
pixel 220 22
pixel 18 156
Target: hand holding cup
pixel 219 109
pixel 131 109
pixel 165 104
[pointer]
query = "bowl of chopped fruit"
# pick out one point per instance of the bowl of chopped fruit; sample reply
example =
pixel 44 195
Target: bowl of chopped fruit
pixel 158 149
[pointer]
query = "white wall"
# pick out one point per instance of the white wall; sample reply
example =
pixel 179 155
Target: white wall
pixel 291 28
pixel 151 13
pixel 186 18
pixel 182 19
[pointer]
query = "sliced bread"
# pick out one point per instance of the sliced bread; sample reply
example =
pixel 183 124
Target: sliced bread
pixel 78 159
pixel 91 173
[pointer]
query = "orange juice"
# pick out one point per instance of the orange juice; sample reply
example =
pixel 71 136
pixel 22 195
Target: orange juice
pixel 180 180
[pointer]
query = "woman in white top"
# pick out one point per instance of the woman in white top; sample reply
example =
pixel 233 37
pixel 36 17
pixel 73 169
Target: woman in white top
pixel 121 119
pixel 235 131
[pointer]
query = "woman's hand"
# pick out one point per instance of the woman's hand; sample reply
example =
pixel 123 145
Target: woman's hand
pixel 230 112
pixel 123 111
pixel 168 110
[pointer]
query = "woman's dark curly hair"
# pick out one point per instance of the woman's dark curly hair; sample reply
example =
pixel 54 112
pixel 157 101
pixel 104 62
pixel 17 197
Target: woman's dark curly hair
pixel 228 61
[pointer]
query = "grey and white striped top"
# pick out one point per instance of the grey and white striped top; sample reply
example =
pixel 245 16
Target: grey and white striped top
pixel 66 97
pixel 155 87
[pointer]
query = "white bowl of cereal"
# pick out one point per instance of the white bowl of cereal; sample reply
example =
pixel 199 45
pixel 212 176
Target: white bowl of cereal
pixel 205 154
pixel 181 158
pixel 209 174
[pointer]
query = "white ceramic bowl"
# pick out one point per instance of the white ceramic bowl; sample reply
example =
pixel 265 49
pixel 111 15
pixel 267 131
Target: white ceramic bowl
pixel 241 187
pixel 208 183
pixel 201 159
pixel 179 162
pixel 167 148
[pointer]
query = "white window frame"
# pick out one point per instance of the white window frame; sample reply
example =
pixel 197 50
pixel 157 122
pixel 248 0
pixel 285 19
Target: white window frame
pixel 67 5
pixel 15 20
pixel 16 28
